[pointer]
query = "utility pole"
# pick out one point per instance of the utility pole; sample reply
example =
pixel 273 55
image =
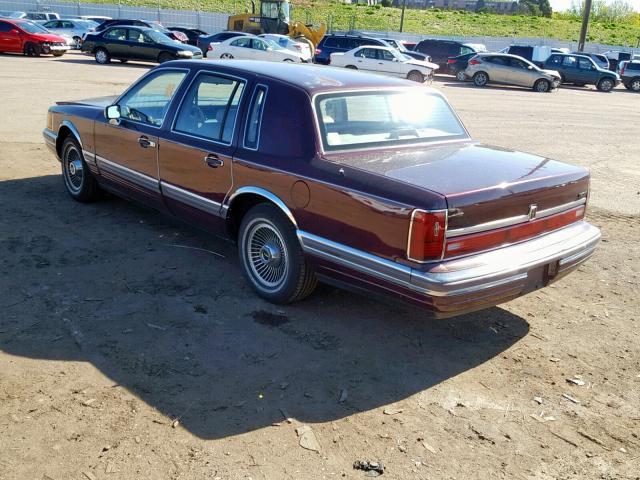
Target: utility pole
pixel 585 25
pixel 404 4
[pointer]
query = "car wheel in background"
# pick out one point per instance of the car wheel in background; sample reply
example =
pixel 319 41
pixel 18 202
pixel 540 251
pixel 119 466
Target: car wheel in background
pixel 226 56
pixel 123 60
pixel 32 50
pixel 605 85
pixel 287 60
pixel 460 76
pixel 58 54
pixel 165 57
pixel 80 183
pixel 415 76
pixel 480 79
pixel 271 256
pixel 542 85
pixel 351 67
pixel 102 56
pixel 635 85
pixel 78 42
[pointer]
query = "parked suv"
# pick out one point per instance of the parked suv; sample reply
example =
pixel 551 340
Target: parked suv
pixel 582 70
pixel 333 43
pixel 441 50
pixel 42 16
pixel 630 74
pixel 601 60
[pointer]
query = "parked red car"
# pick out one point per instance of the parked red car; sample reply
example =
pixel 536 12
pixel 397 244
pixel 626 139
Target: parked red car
pixel 331 174
pixel 29 38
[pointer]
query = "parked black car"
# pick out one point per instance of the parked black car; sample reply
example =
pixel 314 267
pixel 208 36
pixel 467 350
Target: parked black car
pixel 136 43
pixel 457 65
pixel 191 33
pixel 581 70
pixel 178 36
pixel 441 50
pixel 204 41
pixel 333 43
pixel 630 74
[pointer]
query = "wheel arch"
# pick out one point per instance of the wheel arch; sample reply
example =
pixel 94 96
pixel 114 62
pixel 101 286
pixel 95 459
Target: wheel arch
pixel 66 128
pixel 243 199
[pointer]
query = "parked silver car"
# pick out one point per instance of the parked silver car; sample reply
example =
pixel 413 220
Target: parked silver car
pixel 74 28
pixel 508 69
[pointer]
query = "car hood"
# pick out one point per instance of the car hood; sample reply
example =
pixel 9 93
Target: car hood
pixel 49 37
pixel 102 102
pixel 423 64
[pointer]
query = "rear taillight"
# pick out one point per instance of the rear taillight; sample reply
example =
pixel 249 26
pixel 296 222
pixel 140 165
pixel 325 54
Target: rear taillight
pixel 318 51
pixel 622 71
pixel 478 242
pixel 473 61
pixel 451 60
pixel 426 235
pixel 298 47
pixel 210 47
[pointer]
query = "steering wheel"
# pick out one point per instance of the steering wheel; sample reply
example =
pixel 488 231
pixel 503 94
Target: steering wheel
pixel 141 115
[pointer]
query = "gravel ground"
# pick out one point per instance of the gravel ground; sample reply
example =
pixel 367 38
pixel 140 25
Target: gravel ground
pixel 124 356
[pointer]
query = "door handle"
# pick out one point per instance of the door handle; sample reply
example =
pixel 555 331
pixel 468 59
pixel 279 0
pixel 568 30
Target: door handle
pixel 212 160
pixel 145 142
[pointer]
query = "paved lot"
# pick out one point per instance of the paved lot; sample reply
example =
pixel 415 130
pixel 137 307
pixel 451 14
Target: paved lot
pixel 123 356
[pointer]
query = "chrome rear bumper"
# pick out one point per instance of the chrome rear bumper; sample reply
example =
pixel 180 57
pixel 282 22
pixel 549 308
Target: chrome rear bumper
pixel 473 282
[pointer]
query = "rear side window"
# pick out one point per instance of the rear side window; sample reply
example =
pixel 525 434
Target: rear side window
pixel 331 42
pixel 210 107
pixel 116 34
pixel 633 66
pixel 555 60
pixel 569 62
pixel 254 120
pixel 5 27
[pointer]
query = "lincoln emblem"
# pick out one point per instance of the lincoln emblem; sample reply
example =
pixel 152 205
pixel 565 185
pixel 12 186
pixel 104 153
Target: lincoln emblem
pixel 533 211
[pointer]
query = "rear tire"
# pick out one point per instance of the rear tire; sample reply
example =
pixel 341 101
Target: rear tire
pixel 78 42
pixel 605 85
pixel 58 54
pixel 542 85
pixel 480 79
pixel 32 50
pixel 80 183
pixel 415 76
pixel 460 76
pixel 634 85
pixel 288 60
pixel 351 67
pixel 271 256
pixel 226 56
pixel 165 57
pixel 102 56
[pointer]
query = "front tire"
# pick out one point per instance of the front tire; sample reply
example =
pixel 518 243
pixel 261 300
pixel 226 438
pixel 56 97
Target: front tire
pixel 415 76
pixel 80 183
pixel 351 67
pixel 271 256
pixel 480 79
pixel 102 56
pixel 460 76
pixel 605 85
pixel 226 56
pixel 32 50
pixel 542 85
pixel 634 85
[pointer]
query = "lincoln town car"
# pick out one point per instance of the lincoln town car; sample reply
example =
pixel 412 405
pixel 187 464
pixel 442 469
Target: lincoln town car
pixel 336 175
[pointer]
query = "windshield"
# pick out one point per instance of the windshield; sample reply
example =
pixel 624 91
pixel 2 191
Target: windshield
pixel 32 27
pixel 158 37
pixel 369 119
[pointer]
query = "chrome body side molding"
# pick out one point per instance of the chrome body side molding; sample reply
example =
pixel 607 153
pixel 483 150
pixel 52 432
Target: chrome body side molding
pixel 191 199
pixel 127 174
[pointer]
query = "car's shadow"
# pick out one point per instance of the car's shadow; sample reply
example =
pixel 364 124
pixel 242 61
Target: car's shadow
pixel 112 284
pixel 86 60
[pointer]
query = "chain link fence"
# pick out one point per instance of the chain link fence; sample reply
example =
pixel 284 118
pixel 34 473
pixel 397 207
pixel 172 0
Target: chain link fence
pixel 215 22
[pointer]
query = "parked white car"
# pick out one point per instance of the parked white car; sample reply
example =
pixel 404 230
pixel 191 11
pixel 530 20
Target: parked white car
pixel 74 28
pixel 290 44
pixel 385 61
pixel 252 48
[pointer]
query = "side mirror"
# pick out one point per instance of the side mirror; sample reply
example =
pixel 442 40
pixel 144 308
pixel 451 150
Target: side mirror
pixel 112 112
pixel 529 67
pixel 395 59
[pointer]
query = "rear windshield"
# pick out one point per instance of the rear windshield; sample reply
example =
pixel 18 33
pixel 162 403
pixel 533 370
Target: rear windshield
pixel 356 120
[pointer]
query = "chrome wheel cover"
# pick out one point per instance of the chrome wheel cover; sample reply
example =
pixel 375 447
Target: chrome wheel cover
pixel 101 56
pixel 481 79
pixel 542 86
pixel 266 254
pixel 73 170
pixel 460 76
pixel 606 85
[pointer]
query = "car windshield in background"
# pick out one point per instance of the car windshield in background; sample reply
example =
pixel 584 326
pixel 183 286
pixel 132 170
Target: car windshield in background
pixel 31 27
pixel 274 45
pixel 86 23
pixel 158 37
pixel 371 119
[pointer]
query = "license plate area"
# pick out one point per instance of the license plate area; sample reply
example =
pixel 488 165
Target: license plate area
pixel 540 277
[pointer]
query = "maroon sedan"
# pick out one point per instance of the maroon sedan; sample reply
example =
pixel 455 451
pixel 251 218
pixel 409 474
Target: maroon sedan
pixel 331 174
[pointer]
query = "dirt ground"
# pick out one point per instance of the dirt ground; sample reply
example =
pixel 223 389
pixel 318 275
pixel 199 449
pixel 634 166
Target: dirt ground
pixel 124 355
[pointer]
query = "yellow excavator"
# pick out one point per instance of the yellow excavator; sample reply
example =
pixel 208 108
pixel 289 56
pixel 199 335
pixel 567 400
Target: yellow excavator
pixel 275 17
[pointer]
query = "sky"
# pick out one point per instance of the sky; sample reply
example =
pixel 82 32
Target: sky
pixel 560 5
